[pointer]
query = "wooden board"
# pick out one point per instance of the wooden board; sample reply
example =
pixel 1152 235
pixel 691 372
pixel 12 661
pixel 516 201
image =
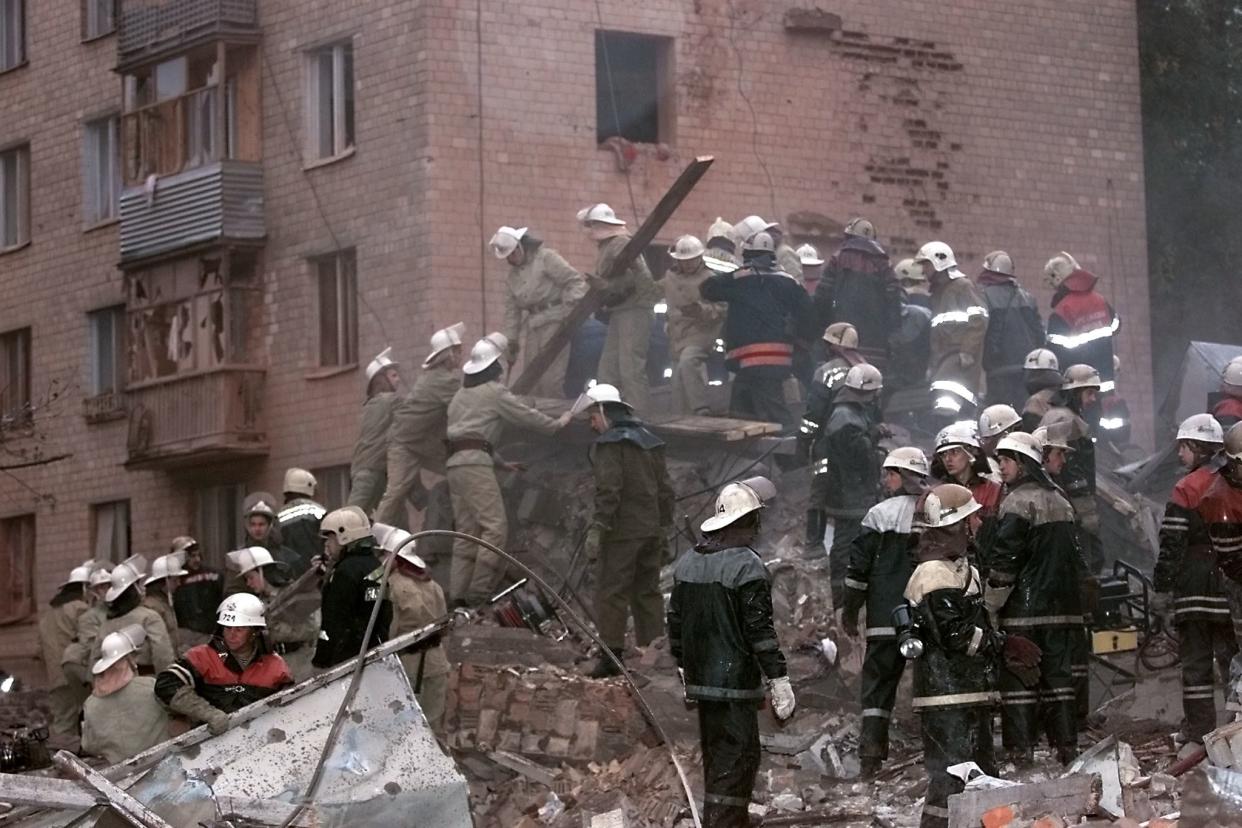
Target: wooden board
pixel 682 426
pixel 1072 795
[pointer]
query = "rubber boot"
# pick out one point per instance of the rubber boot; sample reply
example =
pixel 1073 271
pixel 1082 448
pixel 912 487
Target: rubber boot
pixel 814 526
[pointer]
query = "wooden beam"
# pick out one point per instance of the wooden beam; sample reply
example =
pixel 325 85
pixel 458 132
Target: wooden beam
pixel 593 300
pixel 124 805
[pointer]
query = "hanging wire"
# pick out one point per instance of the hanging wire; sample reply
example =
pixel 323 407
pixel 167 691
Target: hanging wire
pixel 612 95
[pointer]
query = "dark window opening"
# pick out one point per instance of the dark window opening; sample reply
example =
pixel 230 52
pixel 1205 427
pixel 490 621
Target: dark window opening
pixel 633 93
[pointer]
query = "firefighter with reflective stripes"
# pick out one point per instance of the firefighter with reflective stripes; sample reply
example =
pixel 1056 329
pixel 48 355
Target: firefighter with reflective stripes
pixel 1228 409
pixel 1042 373
pixel 1221 511
pixel 959 458
pixel 1032 590
pixel 841 347
pixel 1082 324
pixel 1014 328
pixel 767 312
pixel 1187 568
pixel 959 323
pixel 299 519
pixel 859 286
pixel 721 633
pixel 955 675
pixel 880 567
pixel 1080 394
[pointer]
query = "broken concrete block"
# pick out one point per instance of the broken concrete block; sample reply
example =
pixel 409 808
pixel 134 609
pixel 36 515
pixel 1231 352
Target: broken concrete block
pixel 788 801
pixel 1073 796
pixel 1000 817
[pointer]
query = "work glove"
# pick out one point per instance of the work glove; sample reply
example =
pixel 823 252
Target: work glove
pixel 592 543
pixel 218 723
pixel 851 606
pixel 194 707
pixel 783 702
pixel 1022 659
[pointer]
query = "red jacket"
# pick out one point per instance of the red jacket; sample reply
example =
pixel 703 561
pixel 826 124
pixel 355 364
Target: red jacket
pixel 1228 411
pixel 216 675
pixel 1081 327
pixel 1221 510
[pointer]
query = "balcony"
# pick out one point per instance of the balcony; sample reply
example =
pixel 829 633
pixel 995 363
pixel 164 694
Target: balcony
pixel 193 419
pixel 149 30
pixel 218 202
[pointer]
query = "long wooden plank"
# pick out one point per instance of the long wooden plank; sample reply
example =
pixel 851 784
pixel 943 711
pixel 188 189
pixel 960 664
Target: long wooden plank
pixel 593 300
pixel 124 805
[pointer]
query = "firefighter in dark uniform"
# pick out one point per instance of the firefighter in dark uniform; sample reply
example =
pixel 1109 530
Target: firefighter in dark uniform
pixel 1187 568
pixel 880 567
pixel 1221 511
pixel 1014 329
pixel 1042 376
pixel 200 592
pixel 350 589
pixel 633 516
pixel 299 519
pixel 261 527
pixel 959 458
pixel 1080 394
pixel 721 633
pixel 1035 568
pixel 859 286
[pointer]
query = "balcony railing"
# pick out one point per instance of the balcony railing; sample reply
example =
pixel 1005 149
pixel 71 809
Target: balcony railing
pixel 150 29
pixel 198 418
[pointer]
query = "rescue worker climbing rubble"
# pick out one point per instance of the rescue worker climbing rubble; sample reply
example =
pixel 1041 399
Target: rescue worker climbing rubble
pixel 958 325
pixel 369 466
pixel 1082 324
pixel 841 346
pixel 721 633
pixel 417 600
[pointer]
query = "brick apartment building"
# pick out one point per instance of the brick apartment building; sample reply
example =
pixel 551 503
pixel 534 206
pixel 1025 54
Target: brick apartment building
pixel 214 212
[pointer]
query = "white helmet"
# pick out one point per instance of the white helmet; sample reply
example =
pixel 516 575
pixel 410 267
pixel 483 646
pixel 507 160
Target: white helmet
pixel 1080 376
pixel 117 645
pixel 1233 442
pixel 165 566
pixel 997 418
pixel 961 433
pixel 907 270
pixel 808 255
pixel 1028 445
pixel 1058 269
pixel 347 524
pixel 686 248
pixel 860 227
pixel 738 499
pixel 1053 435
pixel 1041 359
pixel 761 241
pixel 444 339
pixel 998 261
pixel 506 240
pixel 241 610
pixel 482 355
pixel 260 506
pixel 939 254
pixel 946 505
pixel 910 459
pixel 249 558
pixel 79 575
pixel 299 481
pixel 100 577
pixel 124 575
pixel 382 360
pixel 749 226
pixel 597 394
pixel 391 538
pixel 841 334
pixel 864 377
pixel 1233 373
pixel 1201 427
pixel 720 229
pixel 601 213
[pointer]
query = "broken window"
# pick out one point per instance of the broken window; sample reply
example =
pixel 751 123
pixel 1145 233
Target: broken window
pixel 15 403
pixel 101 169
pixel 337 279
pixel 330 100
pixel 98 18
pixel 17 567
pixel 333 488
pixel 107 332
pixel 217 520
pixel 12 34
pixel 14 196
pixel 633 87
pixel 110 529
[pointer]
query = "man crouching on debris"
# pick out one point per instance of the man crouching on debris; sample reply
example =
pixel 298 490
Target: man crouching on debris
pixel 633 515
pixel 721 633
pixel 237 667
pixel 955 675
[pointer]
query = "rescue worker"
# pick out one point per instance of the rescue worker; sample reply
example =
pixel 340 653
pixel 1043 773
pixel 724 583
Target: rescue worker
pixel 350 589
pixel 787 259
pixel 200 591
pixel 1115 416
pixel 914 286
pixel 236 668
pixel 1042 377
pixel 841 348
pixel 293 619
pixel 477 416
pixel 1034 566
pixel 540 292
pixel 723 251
pixel 860 287
pixel 75 660
pixel 1082 324
pixel 995 422
pixel 960 459
pixel 880 567
pixel 1228 409
pixel 125 607
pixel 417 600
pixel 369 466
pixel 158 590
pixel 767 313
pixel 121 717
pixel 812 267
pixel 958 325
pixel 259 523
pixel 629 302
pixel 721 633
pixel 955 675
pixel 693 325
pixel 1014 329
pixel 848 465
pixel 1080 396
pixel 298 519
pixel 58 626
pixel 633 516
pixel 910 342
pixel 1186 570
pixel 416 436
pixel 1221 510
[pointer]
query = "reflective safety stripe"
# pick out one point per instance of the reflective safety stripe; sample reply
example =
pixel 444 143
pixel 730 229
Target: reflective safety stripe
pixel 954 388
pixel 948 404
pixel 1078 340
pixel 1111 423
pixel 877 713
pixel 700 691
pixel 1223 611
pixel 1106 386
pixel 936 811
pixel 301 510
pixel 950 699
pixel 976 638
pixel 809 426
pixel 762 353
pixel 1041 620
pixel 183 675
pixel 958 317
pixel 721 799
pixel 821 466
pixel 1184 521
pixel 858 585
pixel 881 632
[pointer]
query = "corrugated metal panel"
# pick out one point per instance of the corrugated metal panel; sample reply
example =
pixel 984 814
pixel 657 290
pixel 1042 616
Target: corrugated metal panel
pixel 217 201
pixel 150 27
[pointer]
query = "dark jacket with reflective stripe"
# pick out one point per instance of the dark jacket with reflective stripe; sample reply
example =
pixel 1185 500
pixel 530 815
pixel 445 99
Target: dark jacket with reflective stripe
pixel 720 626
pixel 881 563
pixel 349 595
pixel 1035 551
pixel 1081 326
pixel 1187 563
pixel 299 529
pixel 847 446
pixel 859 287
pixel 1014 327
pixel 1221 511
pixel 767 312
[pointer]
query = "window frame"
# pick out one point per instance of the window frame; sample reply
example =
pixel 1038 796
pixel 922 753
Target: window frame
pixel 21 604
pixel 89 6
pixel 333 489
pixel 665 47
pixel 110 125
pixel 344 126
pixel 22 170
pixel 23 337
pixel 121 540
pixel 23 44
pixel 116 314
pixel 344 308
